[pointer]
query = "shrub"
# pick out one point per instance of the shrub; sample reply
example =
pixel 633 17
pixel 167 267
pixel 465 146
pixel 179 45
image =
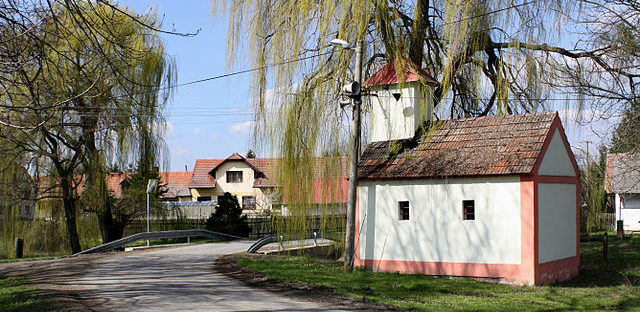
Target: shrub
pixel 228 217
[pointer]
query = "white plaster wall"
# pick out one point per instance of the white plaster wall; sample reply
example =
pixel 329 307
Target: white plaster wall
pixel 238 189
pixel 245 187
pixel 630 212
pixel 391 119
pixel 556 160
pixel 435 231
pixel 557 234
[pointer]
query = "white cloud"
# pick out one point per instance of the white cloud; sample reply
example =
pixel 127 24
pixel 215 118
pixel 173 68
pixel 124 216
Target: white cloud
pixel 204 132
pixel 183 151
pixel 243 127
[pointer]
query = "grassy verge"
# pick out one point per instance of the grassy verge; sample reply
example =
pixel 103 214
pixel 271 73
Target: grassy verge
pixel 26 259
pixel 599 287
pixel 17 294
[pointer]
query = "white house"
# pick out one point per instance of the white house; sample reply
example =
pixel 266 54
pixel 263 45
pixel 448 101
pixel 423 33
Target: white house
pixel 493 197
pixel 622 179
pixel 255 182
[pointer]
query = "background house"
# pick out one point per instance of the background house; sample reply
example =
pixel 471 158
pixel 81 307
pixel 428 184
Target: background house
pixel 622 180
pixel 494 197
pixel 255 182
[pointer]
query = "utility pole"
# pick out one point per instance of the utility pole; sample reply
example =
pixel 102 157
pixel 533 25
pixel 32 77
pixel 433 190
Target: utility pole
pixel 349 251
pixel 151 188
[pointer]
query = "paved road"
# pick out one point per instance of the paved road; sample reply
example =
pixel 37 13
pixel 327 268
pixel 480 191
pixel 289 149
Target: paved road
pixel 173 279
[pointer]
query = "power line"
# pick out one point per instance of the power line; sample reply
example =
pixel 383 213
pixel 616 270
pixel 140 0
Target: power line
pixel 489 13
pixel 231 74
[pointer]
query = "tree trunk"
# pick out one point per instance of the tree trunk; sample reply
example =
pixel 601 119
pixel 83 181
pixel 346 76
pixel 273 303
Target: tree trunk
pixel 420 20
pixel 110 229
pixel 69 203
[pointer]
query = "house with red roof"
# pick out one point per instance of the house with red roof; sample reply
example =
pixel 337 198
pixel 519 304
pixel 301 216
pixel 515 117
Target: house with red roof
pixel 254 181
pixel 490 197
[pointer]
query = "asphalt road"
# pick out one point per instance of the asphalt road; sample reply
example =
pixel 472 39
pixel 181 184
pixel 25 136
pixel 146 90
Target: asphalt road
pixel 171 279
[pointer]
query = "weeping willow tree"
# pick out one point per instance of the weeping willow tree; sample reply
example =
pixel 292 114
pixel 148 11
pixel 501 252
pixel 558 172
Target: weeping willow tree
pixel 489 57
pixel 81 91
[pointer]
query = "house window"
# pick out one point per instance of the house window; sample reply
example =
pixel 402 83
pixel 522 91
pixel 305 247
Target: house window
pixel 404 210
pixel 249 202
pixel 234 176
pixel 468 210
pixel 204 198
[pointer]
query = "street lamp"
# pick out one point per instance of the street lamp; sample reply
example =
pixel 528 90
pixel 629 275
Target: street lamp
pixel 152 184
pixel 356 95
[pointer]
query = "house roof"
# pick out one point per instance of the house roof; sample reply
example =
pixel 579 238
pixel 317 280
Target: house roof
pixel 322 168
pixel 622 173
pixel 388 75
pixel 114 182
pixel 493 145
pixel 270 166
pixel 177 183
pixel 237 157
pixel 201 177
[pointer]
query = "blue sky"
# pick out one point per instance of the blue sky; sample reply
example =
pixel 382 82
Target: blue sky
pixel 213 119
pixel 209 119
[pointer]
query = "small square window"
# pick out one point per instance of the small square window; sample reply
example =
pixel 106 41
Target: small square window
pixel 404 210
pixel 234 176
pixel 468 210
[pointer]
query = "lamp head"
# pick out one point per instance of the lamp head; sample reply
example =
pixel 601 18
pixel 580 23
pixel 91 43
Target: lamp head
pixel 352 89
pixel 340 42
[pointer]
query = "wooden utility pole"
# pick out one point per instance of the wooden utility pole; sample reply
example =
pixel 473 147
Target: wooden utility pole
pixel 349 247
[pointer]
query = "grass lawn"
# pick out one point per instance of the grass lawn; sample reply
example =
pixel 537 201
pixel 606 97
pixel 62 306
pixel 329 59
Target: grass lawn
pixel 598 288
pixel 17 294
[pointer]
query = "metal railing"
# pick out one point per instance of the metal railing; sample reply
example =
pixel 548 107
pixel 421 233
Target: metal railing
pixel 157 235
pixel 315 235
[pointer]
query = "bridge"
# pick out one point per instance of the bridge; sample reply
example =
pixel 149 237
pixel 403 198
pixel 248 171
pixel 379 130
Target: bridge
pixel 120 243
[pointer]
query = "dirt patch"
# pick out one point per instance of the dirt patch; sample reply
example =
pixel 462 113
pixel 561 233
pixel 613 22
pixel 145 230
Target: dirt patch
pixel 227 266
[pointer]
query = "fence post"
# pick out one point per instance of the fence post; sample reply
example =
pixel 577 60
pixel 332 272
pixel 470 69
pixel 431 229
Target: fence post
pixel 605 248
pixel 620 229
pixel 19 247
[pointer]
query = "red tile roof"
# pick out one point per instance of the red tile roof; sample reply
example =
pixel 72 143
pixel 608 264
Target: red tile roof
pixel 388 75
pixel 114 181
pixel 335 191
pixel 321 168
pixel 496 145
pixel 175 182
pixel 322 192
pixel 201 177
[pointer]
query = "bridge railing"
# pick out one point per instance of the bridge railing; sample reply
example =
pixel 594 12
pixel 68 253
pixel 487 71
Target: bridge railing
pixel 282 238
pixel 157 235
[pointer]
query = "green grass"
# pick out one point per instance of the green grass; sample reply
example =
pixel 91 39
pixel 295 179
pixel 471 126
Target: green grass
pixel 17 294
pixel 27 259
pixel 598 288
